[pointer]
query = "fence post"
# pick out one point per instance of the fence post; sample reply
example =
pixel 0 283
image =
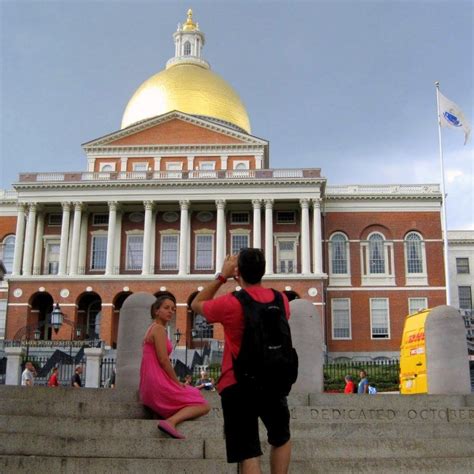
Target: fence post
pixel 14 356
pixel 93 358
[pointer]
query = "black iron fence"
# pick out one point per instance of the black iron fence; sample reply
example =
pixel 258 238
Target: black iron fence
pixel 107 367
pixel 66 367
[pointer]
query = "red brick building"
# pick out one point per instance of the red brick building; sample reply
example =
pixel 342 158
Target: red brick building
pixel 182 184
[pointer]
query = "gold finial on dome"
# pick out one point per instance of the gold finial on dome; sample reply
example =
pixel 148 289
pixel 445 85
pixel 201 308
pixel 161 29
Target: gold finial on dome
pixel 189 25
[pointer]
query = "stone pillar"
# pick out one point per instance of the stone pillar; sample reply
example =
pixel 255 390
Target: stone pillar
pixel 93 358
pixel 123 164
pixel 447 364
pixel 19 240
pixel 29 239
pixel 76 236
pixel 109 265
pixel 269 236
pixel 183 237
pixel 83 245
pixel 257 223
pixel 37 259
pixel 13 374
pixel 307 335
pixel 147 231
pixel 220 234
pixel 317 238
pixel 64 238
pixel 305 237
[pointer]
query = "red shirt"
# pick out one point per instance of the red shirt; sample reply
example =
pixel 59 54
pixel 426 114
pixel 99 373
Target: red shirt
pixel 349 388
pixel 53 381
pixel 227 310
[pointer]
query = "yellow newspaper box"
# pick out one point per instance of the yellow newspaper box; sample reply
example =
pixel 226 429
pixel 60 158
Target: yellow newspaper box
pixel 413 375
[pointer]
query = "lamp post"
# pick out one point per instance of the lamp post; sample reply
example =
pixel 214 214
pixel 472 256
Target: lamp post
pixel 57 317
pixel 177 337
pixel 195 332
pixel 36 337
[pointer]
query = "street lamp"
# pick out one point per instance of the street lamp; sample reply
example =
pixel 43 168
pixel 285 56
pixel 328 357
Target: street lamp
pixel 36 337
pixel 56 317
pixel 177 337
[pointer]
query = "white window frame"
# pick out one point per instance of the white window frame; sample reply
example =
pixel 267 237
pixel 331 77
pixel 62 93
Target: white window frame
pixel 244 163
pixel 339 279
pixel 232 222
pixel 283 236
pixel 372 300
pixel 415 279
pixel 199 233
pixel 2 253
pixel 414 308
pixel 97 214
pixel 238 233
pixel 133 233
pixel 174 169
pixel 169 233
pixel 49 240
pixel 458 267
pixel 140 166
pixel 377 279
pixel 207 166
pixel 3 318
pixel 95 234
pixel 334 302
pixel 103 165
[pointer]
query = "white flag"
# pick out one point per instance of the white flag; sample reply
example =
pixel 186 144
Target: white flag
pixel 452 116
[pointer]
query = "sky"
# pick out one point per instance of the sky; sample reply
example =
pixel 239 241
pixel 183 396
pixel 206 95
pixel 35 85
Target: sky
pixel 345 86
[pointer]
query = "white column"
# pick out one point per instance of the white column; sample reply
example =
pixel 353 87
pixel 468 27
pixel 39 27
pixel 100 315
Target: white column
pixel 123 164
pixel 147 237
pixel 29 239
pixel 19 240
pixel 305 237
pixel 190 162
pixel 37 270
pixel 14 357
pixel 224 160
pixel 109 265
pixel 93 358
pixel 76 235
pixel 257 223
pixel 83 245
pixel 220 234
pixel 118 241
pixel 269 236
pixel 64 238
pixel 183 237
pixel 317 240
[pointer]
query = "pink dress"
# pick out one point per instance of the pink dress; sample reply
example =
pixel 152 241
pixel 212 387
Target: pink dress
pixel 158 391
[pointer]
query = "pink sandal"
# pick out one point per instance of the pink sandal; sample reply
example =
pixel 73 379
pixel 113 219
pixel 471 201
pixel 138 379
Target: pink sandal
pixel 165 427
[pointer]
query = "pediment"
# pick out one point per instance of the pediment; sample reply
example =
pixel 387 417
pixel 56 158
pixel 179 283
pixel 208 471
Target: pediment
pixel 174 129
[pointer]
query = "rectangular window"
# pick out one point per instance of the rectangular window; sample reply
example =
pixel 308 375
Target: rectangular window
pixel 286 217
pixel 286 256
pixel 465 297
pixel 53 258
pixel 134 252
pixel 204 244
pixel 207 165
pixel 462 265
pixel 239 241
pixel 169 252
pixel 3 317
pixel 379 318
pixel 55 219
pixel 100 219
pixel 174 169
pixel 239 217
pixel 341 318
pixel 140 166
pixel 417 304
pixel 99 252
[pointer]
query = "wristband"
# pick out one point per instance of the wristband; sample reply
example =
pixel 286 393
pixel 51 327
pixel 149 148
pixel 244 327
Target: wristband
pixel 221 278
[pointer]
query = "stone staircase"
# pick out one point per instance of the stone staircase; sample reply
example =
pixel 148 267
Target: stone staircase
pixel 44 430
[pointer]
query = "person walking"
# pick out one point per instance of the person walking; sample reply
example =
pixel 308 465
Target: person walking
pixel 363 386
pixel 160 389
pixel 53 379
pixel 28 375
pixel 242 407
pixel 76 381
pixel 350 385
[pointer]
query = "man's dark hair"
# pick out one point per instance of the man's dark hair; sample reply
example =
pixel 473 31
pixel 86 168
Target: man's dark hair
pixel 251 264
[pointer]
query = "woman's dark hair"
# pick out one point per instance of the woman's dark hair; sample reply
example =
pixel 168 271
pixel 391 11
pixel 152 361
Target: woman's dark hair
pixel 251 264
pixel 161 296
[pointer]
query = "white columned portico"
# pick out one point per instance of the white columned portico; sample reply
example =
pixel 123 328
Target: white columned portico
pixel 305 237
pixel 317 240
pixel 257 223
pixel 29 239
pixel 109 265
pixel 64 238
pixel 269 236
pixel 76 235
pixel 183 237
pixel 38 244
pixel 19 239
pixel 220 234
pixel 147 231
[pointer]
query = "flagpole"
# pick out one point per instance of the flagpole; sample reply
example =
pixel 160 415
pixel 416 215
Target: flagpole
pixel 443 202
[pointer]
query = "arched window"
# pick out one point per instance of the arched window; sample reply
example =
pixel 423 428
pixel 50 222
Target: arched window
pixel 376 254
pixel 187 48
pixel 339 254
pixel 414 253
pixel 8 250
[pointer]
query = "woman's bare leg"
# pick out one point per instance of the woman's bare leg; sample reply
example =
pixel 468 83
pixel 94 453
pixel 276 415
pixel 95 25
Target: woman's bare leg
pixel 188 413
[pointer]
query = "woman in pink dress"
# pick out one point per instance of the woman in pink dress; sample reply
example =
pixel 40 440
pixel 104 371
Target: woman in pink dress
pixel 160 388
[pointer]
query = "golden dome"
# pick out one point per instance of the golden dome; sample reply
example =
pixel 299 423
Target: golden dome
pixel 188 88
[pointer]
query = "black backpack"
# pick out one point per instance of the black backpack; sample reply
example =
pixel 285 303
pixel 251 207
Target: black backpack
pixel 267 360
